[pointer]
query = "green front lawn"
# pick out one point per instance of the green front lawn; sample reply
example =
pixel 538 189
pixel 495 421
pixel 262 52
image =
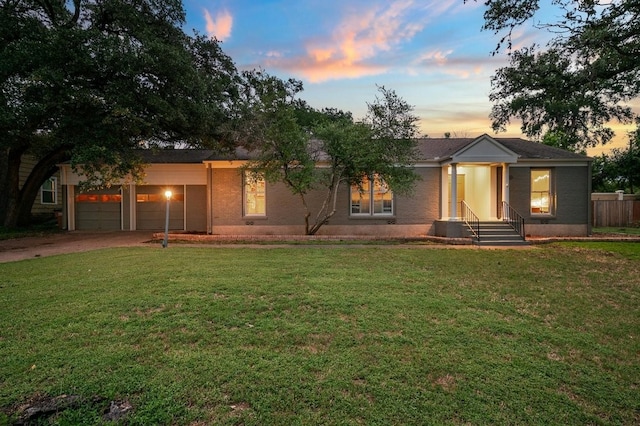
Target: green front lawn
pixel 616 230
pixel 325 335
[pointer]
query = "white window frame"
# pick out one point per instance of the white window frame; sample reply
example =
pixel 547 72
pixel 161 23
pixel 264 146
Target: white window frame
pixel 250 192
pixel 371 187
pixel 53 190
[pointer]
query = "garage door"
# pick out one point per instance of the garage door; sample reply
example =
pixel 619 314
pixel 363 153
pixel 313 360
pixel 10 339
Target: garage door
pixel 151 208
pixel 99 210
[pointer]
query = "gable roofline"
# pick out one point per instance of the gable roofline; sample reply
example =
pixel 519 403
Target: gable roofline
pixel 484 149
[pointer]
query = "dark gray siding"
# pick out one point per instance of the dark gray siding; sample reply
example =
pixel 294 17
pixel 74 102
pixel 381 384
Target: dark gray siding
pixel 572 188
pixel 571 194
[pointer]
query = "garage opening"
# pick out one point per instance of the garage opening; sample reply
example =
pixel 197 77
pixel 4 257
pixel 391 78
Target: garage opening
pixel 151 207
pixel 99 210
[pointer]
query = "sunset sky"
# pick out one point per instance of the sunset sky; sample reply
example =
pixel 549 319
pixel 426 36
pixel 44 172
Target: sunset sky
pixel 431 52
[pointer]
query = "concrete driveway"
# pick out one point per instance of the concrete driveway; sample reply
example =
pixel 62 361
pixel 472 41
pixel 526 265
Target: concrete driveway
pixel 68 242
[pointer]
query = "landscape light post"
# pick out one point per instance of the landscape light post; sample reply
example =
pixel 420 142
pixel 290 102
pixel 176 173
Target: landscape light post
pixel 165 242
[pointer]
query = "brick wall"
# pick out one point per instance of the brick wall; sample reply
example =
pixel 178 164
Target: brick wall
pixel 285 209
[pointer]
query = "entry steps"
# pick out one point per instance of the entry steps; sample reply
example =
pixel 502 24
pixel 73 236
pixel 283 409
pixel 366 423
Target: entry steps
pixel 499 233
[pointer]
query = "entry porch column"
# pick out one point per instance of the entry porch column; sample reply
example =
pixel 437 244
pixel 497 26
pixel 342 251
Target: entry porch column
pixel 453 209
pixel 505 185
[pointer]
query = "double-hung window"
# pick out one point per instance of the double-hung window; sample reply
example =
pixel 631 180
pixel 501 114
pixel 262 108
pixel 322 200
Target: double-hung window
pixel 48 191
pixel 542 192
pixel 254 195
pixel 372 198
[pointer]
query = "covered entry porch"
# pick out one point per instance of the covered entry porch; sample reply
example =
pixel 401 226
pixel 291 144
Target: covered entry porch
pixel 474 180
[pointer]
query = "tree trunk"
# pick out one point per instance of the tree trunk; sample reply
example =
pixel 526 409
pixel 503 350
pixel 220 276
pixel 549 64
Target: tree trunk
pixel 19 200
pixel 10 184
pixel 331 199
pixel 307 213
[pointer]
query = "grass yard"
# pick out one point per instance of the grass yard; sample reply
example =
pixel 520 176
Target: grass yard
pixel 616 230
pixel 325 335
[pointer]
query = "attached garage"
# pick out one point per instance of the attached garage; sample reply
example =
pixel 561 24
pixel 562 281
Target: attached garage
pixel 99 210
pixel 142 205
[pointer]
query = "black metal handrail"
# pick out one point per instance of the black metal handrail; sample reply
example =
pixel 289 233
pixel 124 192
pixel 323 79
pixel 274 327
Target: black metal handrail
pixel 511 216
pixel 470 219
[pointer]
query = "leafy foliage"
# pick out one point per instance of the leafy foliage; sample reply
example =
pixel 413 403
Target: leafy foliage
pixel 291 139
pixel 619 170
pixel 90 81
pixel 582 80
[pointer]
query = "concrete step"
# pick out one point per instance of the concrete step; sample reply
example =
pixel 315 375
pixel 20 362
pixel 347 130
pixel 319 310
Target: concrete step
pixel 502 243
pixel 499 234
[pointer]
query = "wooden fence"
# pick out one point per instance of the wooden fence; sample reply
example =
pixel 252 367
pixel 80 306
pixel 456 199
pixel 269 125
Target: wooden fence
pixel 608 213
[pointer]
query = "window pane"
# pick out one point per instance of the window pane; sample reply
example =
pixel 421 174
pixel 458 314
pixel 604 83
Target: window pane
pixel 48 197
pixel 48 191
pixel 360 199
pixel 157 198
pixel 382 198
pixel 541 191
pixel 255 202
pixel 372 198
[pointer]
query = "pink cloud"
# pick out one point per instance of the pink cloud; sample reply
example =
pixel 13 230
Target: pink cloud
pixel 220 27
pixel 317 71
pixel 357 40
pixel 436 56
pixel 460 66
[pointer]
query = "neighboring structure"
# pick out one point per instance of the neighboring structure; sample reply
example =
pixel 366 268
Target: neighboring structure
pixel 550 188
pixel 48 202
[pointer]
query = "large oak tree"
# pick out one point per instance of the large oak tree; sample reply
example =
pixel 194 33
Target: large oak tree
pixel 578 83
pixel 92 80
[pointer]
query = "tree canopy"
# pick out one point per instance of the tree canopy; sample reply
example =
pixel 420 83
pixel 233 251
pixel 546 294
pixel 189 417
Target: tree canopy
pixel 319 150
pixel 620 169
pixel 576 84
pixel 90 80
